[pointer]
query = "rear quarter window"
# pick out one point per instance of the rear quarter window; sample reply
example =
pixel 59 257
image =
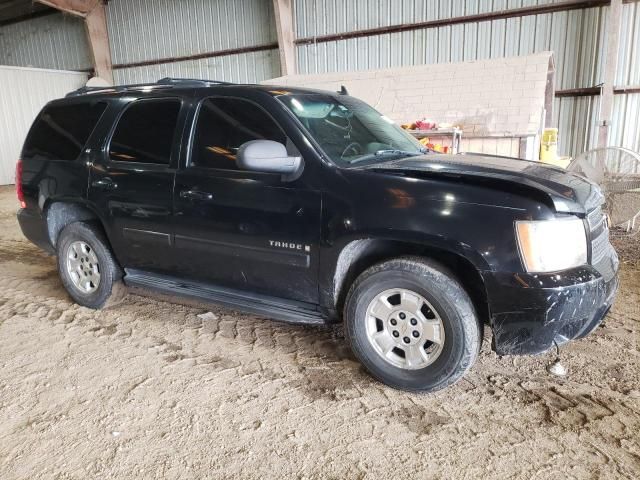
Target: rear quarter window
pixel 60 132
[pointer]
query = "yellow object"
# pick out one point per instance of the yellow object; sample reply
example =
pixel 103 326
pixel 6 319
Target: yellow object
pixel 549 146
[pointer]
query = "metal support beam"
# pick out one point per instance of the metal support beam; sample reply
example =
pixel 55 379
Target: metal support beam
pixel 96 24
pixel 610 67
pixel 198 56
pixel 284 26
pixel 595 91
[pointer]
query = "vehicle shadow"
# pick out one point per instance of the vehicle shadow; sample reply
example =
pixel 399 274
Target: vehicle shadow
pixel 324 342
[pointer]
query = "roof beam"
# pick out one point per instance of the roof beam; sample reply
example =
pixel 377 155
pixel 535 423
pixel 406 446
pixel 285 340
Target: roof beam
pixel 80 8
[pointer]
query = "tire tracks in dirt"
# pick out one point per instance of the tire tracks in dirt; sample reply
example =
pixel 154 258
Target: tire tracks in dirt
pixel 148 388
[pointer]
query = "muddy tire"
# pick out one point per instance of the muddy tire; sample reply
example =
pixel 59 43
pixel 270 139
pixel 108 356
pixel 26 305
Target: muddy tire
pixel 87 267
pixel 412 325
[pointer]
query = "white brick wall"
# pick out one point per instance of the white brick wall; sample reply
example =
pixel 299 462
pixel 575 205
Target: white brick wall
pixel 502 96
pixel 509 147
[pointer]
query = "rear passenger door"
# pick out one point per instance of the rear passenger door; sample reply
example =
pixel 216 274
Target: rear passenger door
pixel 132 183
pixel 246 230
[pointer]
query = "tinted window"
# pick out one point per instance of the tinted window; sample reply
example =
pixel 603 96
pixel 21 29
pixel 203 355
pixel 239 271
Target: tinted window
pixel 60 132
pixel 223 125
pixel 145 132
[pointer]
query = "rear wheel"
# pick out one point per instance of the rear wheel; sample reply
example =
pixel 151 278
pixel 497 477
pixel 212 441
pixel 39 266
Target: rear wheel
pixel 412 325
pixel 86 266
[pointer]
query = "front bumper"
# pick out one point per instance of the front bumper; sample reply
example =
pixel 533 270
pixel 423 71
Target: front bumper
pixel 531 312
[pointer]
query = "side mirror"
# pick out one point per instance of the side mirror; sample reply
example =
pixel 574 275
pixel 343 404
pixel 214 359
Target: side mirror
pixel 266 156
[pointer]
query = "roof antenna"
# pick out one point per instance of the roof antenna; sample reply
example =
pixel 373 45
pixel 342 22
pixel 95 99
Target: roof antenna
pixel 343 90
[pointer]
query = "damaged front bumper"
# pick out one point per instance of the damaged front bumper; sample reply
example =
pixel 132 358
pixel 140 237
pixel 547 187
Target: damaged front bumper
pixel 531 312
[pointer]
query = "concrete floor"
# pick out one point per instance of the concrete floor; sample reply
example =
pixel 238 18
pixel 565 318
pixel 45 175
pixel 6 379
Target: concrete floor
pixel 149 390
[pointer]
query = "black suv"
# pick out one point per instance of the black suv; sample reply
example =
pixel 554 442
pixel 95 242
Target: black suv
pixel 309 206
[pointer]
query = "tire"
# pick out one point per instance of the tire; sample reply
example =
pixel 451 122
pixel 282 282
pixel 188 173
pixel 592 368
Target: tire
pixel 106 288
pixel 446 315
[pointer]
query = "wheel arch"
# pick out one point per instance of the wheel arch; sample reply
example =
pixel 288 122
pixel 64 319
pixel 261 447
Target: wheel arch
pixel 60 213
pixel 360 254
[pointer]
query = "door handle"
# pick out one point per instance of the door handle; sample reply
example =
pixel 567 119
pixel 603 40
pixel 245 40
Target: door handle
pixel 196 195
pixel 105 183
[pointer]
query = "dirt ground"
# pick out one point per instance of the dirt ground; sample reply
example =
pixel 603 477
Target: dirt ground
pixel 148 390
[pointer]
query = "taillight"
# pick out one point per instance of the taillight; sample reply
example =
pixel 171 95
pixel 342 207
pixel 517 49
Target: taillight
pixel 19 191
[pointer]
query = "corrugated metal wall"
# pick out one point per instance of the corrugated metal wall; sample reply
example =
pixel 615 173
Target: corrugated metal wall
pixel 629 52
pixel 244 68
pixel 576 37
pixel 625 129
pixel 54 41
pixel 143 30
pixel 577 117
pixel 148 30
pixel 19 106
pixel 625 126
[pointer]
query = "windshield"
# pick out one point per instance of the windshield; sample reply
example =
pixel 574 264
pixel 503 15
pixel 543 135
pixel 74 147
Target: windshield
pixel 349 131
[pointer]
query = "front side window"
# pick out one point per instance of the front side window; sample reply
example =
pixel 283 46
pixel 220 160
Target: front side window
pixel 145 132
pixel 60 132
pixel 223 125
pixel 348 130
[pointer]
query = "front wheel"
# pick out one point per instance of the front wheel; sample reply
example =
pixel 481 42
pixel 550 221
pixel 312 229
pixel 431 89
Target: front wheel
pixel 87 267
pixel 412 325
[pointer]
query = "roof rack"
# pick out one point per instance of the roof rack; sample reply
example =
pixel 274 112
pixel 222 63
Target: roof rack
pixel 189 81
pixel 163 83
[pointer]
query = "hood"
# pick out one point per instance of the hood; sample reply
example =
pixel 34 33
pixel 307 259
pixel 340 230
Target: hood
pixel 568 192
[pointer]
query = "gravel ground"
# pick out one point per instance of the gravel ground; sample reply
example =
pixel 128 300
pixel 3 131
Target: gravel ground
pixel 149 390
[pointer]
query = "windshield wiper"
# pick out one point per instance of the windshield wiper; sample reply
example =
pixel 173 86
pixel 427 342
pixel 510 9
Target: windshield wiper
pixel 382 153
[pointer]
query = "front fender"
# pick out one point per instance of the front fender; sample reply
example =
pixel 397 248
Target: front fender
pixel 342 261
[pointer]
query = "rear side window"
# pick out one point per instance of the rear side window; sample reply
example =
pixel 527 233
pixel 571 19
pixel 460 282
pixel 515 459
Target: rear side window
pixel 145 132
pixel 223 125
pixel 60 132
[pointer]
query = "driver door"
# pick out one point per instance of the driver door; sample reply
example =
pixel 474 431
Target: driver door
pixel 240 229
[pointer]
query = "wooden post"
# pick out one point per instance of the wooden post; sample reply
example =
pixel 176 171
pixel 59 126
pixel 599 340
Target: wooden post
pixel 284 26
pixel 96 24
pixel 610 67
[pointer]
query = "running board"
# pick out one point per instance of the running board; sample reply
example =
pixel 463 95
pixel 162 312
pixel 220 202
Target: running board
pixel 272 307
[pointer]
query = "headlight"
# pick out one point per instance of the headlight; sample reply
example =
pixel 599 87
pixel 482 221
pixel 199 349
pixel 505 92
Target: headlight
pixel 551 245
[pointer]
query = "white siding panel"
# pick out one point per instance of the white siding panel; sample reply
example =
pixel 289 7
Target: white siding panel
pixel 19 107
